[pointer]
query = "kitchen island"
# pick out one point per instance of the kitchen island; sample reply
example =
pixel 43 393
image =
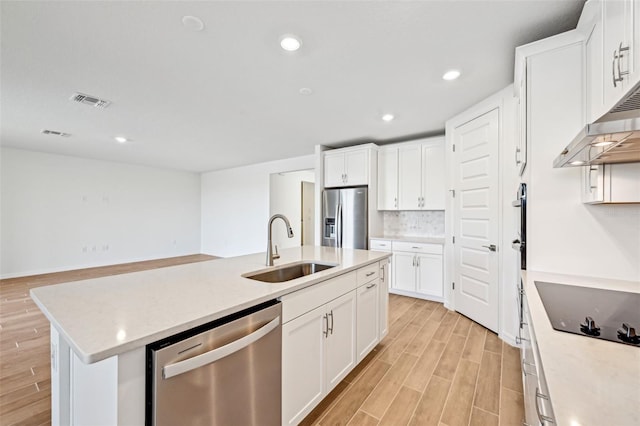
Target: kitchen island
pixel 590 382
pixel 100 327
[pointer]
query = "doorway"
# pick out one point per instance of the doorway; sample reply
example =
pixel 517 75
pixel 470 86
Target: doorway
pixel 292 194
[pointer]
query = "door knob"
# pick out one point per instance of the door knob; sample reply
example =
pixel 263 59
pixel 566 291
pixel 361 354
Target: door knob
pixel 492 247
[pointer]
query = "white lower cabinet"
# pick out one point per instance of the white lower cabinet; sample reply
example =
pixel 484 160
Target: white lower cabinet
pixel 429 274
pixel 418 269
pixel 327 329
pixel 367 309
pixel 303 355
pixel 340 340
pixel 383 294
pixel 318 351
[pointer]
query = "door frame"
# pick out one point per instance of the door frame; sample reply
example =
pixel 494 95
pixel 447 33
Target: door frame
pixel 505 102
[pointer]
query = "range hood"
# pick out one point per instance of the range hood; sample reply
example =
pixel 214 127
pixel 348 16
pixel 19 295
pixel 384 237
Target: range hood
pixel 613 138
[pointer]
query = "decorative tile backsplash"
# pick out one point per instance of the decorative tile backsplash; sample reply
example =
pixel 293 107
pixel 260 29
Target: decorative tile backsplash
pixel 414 223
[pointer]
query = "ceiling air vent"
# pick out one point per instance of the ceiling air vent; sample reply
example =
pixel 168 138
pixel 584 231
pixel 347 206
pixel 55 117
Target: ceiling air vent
pixel 90 100
pixel 54 133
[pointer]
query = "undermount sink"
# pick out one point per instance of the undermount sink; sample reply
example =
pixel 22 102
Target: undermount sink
pixel 289 272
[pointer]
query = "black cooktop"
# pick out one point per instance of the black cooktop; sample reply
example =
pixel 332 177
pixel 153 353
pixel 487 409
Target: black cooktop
pixel 593 312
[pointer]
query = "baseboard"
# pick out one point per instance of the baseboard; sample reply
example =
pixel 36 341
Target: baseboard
pixel 416 295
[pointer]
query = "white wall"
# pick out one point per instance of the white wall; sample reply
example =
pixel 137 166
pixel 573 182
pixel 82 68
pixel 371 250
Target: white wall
pixel 285 197
pixel 61 213
pixel 235 206
pixel 564 235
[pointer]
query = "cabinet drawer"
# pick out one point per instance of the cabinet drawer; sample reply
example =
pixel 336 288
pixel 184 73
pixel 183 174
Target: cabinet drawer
pixel 307 299
pixel 427 248
pixel 368 273
pixel 380 245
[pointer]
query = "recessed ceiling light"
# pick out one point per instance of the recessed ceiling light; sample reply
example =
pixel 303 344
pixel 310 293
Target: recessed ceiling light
pixel 306 91
pixel 290 43
pixel 120 139
pixel 576 163
pixel 192 23
pixel 388 117
pixel 451 75
pixel 603 143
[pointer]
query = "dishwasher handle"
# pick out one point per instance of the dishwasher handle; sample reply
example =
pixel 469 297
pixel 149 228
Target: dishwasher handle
pixel 177 368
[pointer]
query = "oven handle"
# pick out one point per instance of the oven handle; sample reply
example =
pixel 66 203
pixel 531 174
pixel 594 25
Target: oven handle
pixel 172 370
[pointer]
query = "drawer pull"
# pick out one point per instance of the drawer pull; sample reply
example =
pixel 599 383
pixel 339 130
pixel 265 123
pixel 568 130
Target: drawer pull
pixel 371 285
pixel 370 273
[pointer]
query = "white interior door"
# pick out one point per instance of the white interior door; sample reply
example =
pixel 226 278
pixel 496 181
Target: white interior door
pixel 476 219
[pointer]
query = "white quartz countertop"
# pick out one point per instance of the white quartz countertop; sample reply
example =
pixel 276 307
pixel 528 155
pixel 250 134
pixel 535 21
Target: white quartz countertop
pixel 428 240
pixel 591 382
pixel 103 317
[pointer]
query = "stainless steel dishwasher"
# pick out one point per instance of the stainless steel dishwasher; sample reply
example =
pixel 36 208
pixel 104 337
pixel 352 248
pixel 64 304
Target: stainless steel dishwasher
pixel 224 373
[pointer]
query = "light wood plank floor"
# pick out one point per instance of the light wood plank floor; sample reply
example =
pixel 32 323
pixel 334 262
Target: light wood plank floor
pixel 25 368
pixel 435 367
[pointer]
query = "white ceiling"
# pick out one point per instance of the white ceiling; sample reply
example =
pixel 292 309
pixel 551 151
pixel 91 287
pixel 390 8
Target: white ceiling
pixel 229 96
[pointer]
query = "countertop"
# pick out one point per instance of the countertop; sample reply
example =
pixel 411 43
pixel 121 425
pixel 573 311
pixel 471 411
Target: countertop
pixel 103 317
pixel 428 240
pixel 591 381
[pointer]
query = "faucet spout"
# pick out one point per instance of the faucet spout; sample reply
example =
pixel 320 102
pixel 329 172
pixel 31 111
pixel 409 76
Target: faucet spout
pixel 270 254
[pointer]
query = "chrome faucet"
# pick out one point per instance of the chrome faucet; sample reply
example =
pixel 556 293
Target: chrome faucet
pixel 270 254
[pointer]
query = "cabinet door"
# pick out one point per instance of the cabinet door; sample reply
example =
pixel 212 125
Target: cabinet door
pixel 592 184
pixel 340 344
pixel 622 183
pixel 404 271
pixel 303 344
pixel 521 142
pixel 383 303
pixel 357 167
pixel 594 70
pixel 433 176
pixel 367 318
pixel 429 280
pixel 388 179
pixel 334 170
pixel 617 19
pixel 409 177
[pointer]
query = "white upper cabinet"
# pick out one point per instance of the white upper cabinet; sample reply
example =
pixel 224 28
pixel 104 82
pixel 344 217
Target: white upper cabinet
pixel 611 39
pixel 346 167
pixel 388 179
pixel 411 176
pixel 618 49
pixel 594 67
pixel 611 183
pixel 433 176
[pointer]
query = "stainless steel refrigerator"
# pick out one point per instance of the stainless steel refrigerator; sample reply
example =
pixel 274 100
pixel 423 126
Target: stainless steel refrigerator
pixel 344 218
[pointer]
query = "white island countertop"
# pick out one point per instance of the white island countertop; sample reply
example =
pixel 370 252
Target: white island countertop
pixel 108 316
pixel 591 382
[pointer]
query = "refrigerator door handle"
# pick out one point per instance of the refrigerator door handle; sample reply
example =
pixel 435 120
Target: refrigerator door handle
pixel 339 225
